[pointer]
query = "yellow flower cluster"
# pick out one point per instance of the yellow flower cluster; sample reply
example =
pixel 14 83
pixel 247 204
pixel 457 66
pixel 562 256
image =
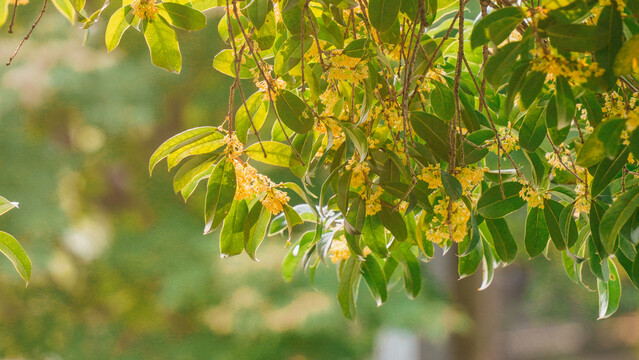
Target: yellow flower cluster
pixel 532 196
pixel 360 171
pixel 577 70
pixel 274 200
pixel 339 250
pixel 144 9
pixel 615 105
pixel 470 177
pixel 582 204
pixel 270 93
pixel 508 141
pixel 440 231
pixel 621 4
pixel 345 68
pixel 373 206
pixel 234 146
pixel 431 175
pixel 250 183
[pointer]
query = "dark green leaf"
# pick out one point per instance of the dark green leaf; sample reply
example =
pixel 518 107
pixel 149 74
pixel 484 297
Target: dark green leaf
pixel 346 290
pixel 552 215
pixel 494 204
pixel 536 238
pixel 533 129
pixel 232 234
pixel 375 279
pixel 609 292
pixel 293 112
pixel 577 37
pixel 383 13
pixel 255 227
pixel 503 241
pixel 616 216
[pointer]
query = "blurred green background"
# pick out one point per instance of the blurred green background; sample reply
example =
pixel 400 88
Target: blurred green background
pixel 121 269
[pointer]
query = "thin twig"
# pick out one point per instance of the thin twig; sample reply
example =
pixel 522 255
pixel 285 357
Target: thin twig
pixel 44 7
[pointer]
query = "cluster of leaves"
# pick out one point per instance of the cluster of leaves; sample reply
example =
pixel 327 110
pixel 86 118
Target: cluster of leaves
pixel 417 123
pixel 10 247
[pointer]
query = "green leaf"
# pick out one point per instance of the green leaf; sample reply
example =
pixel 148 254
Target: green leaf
pixel 182 16
pixel 565 102
pixel 383 13
pixel 616 216
pixel 609 292
pixel 603 141
pixel 255 228
pixel 606 171
pixel 374 236
pixel 359 48
pixel 257 112
pixel 232 234
pixel 292 219
pixel 610 20
pixel 502 59
pixel 488 266
pixel 65 7
pixel 192 170
pixel 533 129
pixel 473 154
pixel 224 62
pixel 536 237
pixel 503 240
pixel 163 44
pixel 220 192
pixel 501 29
pixel 577 37
pixel 470 260
pixel 295 254
pixel 178 141
pixel 4 11
pixel 375 279
pixel 257 12
pixel 358 138
pixel 597 211
pixel 346 290
pixel 115 27
pixel 6 205
pixel 627 59
pixel 452 186
pixel 277 154
pixel 293 112
pixel 10 247
pixel 410 264
pixel 531 87
pixel 394 222
pixel 442 101
pixel 479 35
pixel 205 145
pixel 552 215
pixel 494 204
pixel 433 130
pixel 290 53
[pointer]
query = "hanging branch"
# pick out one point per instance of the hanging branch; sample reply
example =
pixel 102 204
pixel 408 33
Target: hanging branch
pixel 15 53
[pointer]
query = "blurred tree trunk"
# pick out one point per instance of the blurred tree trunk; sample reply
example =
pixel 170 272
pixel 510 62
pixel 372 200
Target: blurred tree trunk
pixel 483 309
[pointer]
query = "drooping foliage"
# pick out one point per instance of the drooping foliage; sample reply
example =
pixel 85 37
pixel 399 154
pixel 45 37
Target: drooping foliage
pixel 413 124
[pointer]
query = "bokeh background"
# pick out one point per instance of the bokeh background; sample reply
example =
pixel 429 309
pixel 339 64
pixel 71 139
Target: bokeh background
pixel 121 269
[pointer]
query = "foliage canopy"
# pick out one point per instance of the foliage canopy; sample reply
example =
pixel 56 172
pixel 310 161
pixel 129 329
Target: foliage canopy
pixel 412 124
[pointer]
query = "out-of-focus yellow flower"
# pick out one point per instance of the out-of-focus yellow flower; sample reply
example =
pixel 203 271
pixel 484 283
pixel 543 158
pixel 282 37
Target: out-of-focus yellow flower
pixel 144 9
